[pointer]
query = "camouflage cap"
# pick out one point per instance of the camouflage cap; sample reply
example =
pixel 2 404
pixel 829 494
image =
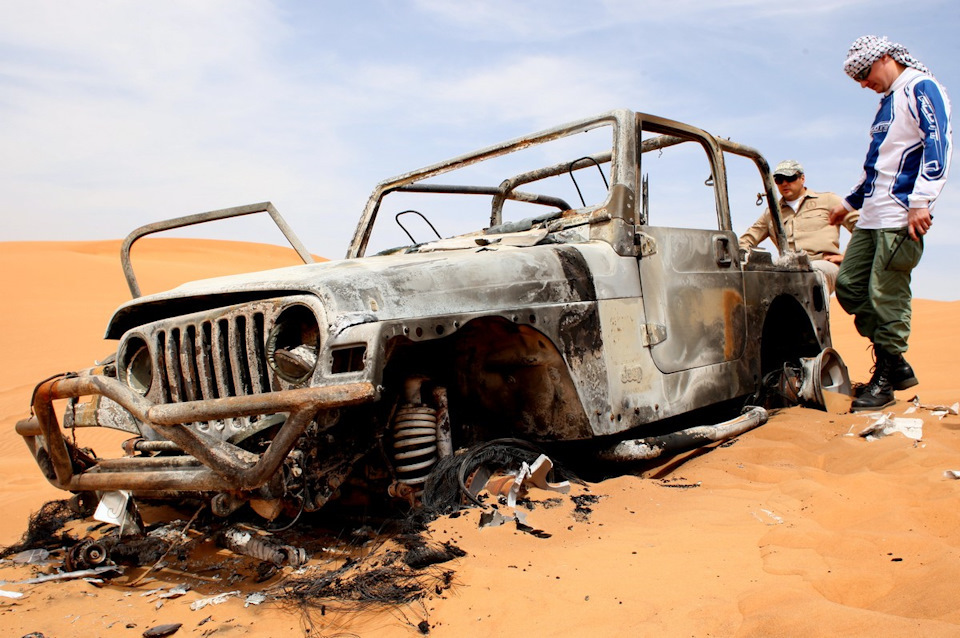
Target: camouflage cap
pixel 788 168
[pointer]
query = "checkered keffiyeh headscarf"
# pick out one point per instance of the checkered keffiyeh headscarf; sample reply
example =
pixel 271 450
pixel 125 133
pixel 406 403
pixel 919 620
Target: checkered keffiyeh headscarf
pixel 868 49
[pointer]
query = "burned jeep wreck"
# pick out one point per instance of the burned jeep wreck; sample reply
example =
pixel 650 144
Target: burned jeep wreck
pixel 549 289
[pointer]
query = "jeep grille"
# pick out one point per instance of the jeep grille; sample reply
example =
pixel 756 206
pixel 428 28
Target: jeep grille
pixel 212 359
pixel 208 355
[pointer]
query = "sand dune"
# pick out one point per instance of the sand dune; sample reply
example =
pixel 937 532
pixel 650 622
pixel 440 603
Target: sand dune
pixel 798 528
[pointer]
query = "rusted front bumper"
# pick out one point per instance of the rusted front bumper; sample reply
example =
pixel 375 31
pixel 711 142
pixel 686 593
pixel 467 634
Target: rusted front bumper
pixel 207 463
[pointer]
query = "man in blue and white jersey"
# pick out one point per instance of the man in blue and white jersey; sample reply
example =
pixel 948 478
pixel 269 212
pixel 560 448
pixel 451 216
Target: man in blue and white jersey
pixel 905 170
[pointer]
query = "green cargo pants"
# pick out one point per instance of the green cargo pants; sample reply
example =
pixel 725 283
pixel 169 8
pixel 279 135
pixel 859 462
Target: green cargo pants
pixel 874 285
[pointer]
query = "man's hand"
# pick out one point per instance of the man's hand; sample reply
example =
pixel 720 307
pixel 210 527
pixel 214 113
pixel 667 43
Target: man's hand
pixel 837 214
pixel 919 221
pixel 833 259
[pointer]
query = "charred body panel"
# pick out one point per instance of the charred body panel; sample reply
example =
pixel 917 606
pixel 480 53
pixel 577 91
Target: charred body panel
pixel 579 322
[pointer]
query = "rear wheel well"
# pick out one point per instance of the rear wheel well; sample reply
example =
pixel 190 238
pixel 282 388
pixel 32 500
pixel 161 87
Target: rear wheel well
pixel 788 335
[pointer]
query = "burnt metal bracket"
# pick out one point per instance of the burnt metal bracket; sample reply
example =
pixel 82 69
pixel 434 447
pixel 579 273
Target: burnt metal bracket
pixel 200 218
pixel 646 244
pixel 652 333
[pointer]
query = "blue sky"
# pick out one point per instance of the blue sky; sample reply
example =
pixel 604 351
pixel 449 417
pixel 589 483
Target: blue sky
pixel 117 114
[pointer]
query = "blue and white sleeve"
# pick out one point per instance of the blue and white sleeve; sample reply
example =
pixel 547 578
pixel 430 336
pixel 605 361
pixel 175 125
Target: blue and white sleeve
pixel 933 118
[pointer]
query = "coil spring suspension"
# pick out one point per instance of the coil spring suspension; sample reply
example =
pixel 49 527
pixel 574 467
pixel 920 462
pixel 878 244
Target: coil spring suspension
pixel 414 444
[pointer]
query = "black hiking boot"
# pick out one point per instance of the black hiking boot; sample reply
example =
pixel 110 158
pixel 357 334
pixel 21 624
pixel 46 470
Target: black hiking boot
pixel 877 394
pixel 878 357
pixel 899 373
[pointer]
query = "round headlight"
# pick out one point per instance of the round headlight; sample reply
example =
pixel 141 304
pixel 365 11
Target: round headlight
pixel 134 367
pixel 293 343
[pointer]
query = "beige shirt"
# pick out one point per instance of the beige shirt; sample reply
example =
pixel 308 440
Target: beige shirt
pixel 808 229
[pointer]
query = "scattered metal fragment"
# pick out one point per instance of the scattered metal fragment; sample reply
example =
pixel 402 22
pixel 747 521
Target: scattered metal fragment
pixel 885 424
pixel 119 509
pixel 939 411
pixel 254 599
pixel 679 486
pixel 83 573
pixel 213 600
pixel 492 518
pixel 170 548
pixel 174 592
pixel 31 557
pixel 247 542
pixel 534 474
pixel 655 446
pixel 10 594
pixel 86 554
pixel 951 474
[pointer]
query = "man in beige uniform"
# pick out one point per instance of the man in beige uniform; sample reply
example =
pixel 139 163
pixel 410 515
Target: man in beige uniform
pixel 806 221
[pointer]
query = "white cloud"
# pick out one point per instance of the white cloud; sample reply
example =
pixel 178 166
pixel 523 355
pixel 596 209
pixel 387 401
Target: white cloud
pixel 126 112
pixel 118 113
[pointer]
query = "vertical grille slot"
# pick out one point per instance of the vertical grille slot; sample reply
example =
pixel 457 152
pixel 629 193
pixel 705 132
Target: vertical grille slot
pixel 163 379
pixel 256 356
pixel 238 356
pixel 188 364
pixel 171 356
pixel 206 368
pixel 221 355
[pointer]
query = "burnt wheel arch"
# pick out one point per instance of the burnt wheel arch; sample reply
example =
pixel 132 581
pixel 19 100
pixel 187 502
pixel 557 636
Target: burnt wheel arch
pixel 788 334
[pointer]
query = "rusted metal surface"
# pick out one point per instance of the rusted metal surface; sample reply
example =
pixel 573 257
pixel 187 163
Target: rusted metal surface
pixel 201 218
pixel 226 467
pixel 598 320
pixel 656 446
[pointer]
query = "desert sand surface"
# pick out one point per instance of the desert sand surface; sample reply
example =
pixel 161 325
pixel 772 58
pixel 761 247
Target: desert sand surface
pixel 798 528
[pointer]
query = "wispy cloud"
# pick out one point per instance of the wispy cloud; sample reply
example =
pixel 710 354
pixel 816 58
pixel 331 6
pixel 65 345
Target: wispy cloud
pixel 115 113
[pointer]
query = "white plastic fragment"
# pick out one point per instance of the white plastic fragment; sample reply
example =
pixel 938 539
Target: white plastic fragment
pixel 938 411
pixel 772 515
pixel 492 518
pixel 30 556
pixel 173 592
pixel 885 424
pixel 83 573
pixel 176 592
pixel 10 594
pixel 115 508
pixel 769 519
pixel 538 476
pixel 951 474
pixel 254 599
pixel 213 600
pixel 515 485
pixel 535 475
